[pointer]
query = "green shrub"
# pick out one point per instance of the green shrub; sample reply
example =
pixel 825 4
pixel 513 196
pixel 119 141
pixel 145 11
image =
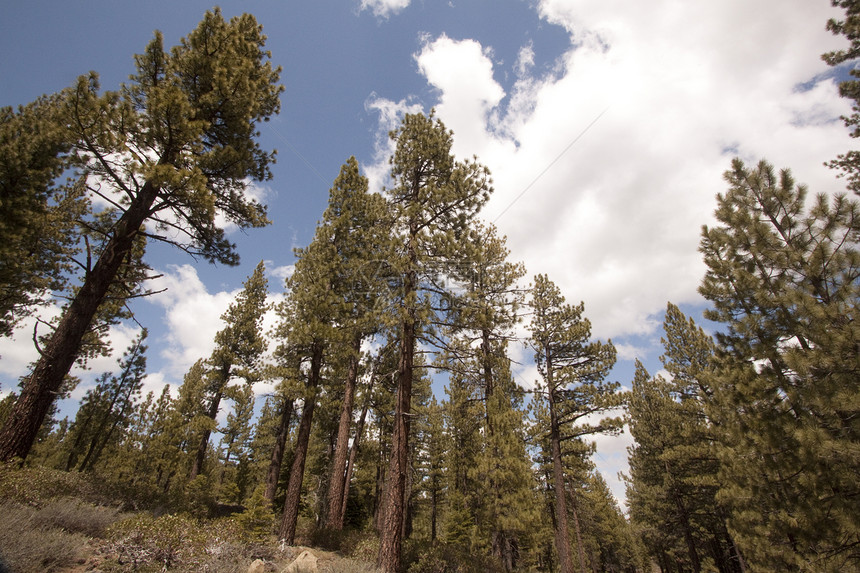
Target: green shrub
pixel 422 557
pixel 37 485
pixel 143 540
pixel 257 522
pixel 363 545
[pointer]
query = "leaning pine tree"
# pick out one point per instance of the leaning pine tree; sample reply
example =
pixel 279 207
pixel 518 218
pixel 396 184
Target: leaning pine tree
pixel 170 150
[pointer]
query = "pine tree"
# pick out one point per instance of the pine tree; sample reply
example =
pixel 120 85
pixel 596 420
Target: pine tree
pixel 432 200
pixel 674 463
pixel 354 225
pixel 329 306
pixel 611 543
pixel 572 369
pixel 174 147
pixel 783 278
pixel 283 404
pixel 185 421
pixel 849 162
pixel 482 324
pixel 236 441
pixel 105 410
pixel 238 349
pixel 38 215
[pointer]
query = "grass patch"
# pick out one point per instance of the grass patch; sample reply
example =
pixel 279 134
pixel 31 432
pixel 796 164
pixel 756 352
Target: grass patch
pixel 30 543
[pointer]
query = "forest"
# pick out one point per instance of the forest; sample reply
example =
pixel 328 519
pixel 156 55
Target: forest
pixel 747 445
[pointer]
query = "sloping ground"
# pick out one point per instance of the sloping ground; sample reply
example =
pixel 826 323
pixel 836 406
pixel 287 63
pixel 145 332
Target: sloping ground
pixel 60 522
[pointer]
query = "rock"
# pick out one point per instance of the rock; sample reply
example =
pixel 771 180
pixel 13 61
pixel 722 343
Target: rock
pixel 306 562
pixel 257 566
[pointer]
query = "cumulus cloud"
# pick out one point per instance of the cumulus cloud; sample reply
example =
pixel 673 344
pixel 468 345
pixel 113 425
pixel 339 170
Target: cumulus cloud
pixel 192 316
pixel 384 8
pixel 613 208
pixel 606 168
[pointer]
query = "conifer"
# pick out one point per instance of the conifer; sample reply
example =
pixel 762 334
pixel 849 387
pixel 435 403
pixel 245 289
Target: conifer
pixel 784 278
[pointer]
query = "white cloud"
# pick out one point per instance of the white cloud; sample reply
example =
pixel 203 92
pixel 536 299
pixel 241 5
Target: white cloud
pixel 612 211
pixel 192 317
pixel 384 8
pixel 525 60
pixel 390 115
pixel 282 273
pixel 462 71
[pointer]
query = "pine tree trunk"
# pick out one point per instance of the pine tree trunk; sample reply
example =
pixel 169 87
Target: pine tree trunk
pixel 339 459
pixel 356 445
pixel 578 531
pixel 379 485
pixel 294 488
pixel 212 414
pixel 562 538
pixel 73 454
pixel 64 345
pixel 391 533
pixel 274 471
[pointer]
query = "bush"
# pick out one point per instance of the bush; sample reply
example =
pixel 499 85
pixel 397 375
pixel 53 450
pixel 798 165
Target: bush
pixel 37 485
pixel 29 544
pixel 446 558
pixel 257 522
pixel 76 516
pixel 143 540
pixel 363 545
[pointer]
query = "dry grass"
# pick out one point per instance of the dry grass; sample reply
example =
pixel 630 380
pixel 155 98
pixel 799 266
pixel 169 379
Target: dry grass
pixel 59 522
pixel 29 543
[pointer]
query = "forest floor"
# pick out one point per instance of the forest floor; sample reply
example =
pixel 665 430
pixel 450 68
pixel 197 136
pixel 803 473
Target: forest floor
pixel 64 522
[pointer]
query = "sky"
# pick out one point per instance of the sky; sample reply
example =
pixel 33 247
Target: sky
pixel 607 126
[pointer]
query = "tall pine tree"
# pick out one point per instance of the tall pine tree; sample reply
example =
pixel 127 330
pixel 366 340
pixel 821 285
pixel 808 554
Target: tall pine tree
pixel 573 370
pixel 784 278
pixel 432 199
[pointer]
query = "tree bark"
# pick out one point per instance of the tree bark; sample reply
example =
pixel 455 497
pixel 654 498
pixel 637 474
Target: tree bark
pixel 391 534
pixel 294 488
pixel 339 460
pixel 562 537
pixel 63 346
pixel 274 471
pixel 356 445
pixel 212 414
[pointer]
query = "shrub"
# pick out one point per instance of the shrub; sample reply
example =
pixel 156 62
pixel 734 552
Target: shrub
pixel 74 515
pixel 447 558
pixel 29 545
pixel 37 485
pixel 166 540
pixel 363 545
pixel 257 521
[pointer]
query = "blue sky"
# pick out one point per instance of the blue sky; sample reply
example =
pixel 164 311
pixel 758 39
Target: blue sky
pixel 611 209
